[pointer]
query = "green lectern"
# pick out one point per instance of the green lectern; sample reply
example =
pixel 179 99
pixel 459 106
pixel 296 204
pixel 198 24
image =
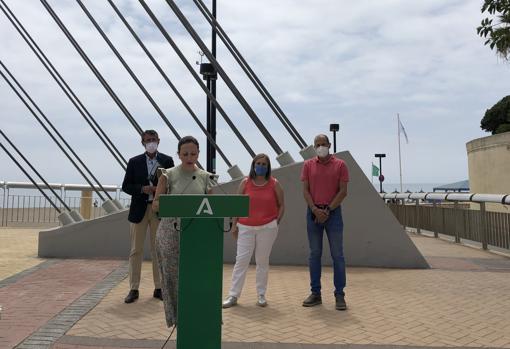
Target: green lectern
pixel 201 263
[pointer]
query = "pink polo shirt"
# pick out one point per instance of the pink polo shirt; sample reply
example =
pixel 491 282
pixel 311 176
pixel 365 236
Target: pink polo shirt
pixel 324 178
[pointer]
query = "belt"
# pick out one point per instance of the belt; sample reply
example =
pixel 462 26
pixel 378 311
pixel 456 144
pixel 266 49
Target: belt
pixel 149 202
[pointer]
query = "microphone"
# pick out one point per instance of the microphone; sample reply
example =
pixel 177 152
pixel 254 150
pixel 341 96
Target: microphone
pixel 214 180
pixel 187 185
pixel 154 178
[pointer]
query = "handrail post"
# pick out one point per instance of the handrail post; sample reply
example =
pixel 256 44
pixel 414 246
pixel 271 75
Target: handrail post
pixel 4 205
pixel 404 214
pixel 456 214
pixel 7 206
pixel 418 220
pixel 483 225
pixel 434 205
pixel 86 203
pixel 443 219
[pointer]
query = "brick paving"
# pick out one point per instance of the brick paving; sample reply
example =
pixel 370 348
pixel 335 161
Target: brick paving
pixel 461 302
pixel 112 318
pixel 54 329
pixel 35 299
pixel 446 306
pixel 14 278
pixel 88 343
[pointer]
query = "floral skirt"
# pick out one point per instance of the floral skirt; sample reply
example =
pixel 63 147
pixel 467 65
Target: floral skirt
pixel 167 249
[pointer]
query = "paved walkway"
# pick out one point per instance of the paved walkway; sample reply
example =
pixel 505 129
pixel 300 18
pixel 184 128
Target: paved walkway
pixel 18 251
pixel 463 301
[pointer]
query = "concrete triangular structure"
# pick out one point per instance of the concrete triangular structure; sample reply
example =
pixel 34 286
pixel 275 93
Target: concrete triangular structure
pixel 372 235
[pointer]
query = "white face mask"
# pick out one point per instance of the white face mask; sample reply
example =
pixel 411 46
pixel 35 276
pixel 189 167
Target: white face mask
pixel 322 151
pixel 151 147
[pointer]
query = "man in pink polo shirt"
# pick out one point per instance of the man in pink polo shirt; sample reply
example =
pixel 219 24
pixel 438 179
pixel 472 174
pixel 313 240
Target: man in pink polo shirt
pixel 325 179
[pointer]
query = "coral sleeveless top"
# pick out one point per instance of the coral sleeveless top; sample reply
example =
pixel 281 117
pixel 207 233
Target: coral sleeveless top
pixel 263 203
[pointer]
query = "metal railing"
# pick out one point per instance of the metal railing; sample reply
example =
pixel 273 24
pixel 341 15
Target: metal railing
pixel 36 210
pixel 33 210
pixel 454 215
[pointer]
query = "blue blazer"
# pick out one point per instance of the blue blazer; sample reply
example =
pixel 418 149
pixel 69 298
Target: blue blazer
pixel 135 178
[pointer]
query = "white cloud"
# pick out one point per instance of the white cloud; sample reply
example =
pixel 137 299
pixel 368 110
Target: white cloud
pixel 355 63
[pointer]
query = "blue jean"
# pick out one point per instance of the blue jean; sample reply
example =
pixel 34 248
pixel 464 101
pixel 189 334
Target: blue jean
pixel 334 227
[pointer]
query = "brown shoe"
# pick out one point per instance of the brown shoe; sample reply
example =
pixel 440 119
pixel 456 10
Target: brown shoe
pixel 131 297
pixel 157 294
pixel 312 300
pixel 340 302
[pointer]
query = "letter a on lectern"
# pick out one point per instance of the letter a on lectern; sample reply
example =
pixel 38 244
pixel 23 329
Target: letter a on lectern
pixel 205 207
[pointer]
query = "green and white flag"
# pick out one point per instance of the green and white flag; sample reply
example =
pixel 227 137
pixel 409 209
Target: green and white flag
pixel 375 171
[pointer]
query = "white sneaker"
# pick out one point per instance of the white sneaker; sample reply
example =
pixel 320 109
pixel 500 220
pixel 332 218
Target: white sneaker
pixel 261 302
pixel 229 302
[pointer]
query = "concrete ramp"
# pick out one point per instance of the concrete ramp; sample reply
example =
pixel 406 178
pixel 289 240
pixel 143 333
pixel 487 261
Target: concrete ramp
pixel 104 237
pixel 372 235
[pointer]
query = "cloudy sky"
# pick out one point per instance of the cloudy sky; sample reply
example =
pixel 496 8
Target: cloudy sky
pixel 353 63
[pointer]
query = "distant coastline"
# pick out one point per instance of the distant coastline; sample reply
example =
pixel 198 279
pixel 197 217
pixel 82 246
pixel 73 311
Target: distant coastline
pixel 413 187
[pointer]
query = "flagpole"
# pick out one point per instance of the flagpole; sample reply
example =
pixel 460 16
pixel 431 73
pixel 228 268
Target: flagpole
pixel 399 154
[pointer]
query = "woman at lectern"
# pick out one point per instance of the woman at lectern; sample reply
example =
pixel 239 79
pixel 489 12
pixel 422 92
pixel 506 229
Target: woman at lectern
pixel 186 178
pixel 258 231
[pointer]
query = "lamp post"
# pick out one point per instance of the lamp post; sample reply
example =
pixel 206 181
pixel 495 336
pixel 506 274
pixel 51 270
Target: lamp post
pixel 381 176
pixel 334 128
pixel 212 107
pixel 210 75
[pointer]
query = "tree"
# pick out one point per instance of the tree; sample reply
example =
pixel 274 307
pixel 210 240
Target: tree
pixel 497 118
pixel 497 34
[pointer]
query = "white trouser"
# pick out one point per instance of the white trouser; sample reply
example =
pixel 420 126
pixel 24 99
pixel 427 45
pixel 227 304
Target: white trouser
pixel 260 239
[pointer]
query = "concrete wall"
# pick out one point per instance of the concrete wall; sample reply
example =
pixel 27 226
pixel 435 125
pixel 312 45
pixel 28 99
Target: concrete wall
pixel 373 237
pixel 489 167
pixel 104 237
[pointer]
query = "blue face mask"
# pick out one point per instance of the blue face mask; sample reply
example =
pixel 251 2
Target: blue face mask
pixel 260 170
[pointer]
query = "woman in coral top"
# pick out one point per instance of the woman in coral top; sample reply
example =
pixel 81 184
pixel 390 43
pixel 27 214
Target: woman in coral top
pixel 259 230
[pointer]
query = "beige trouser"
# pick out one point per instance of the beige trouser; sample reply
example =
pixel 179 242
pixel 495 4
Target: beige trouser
pixel 138 230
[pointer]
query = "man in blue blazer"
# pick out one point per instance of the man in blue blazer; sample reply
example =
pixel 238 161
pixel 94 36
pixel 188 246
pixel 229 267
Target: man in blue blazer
pixel 140 182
